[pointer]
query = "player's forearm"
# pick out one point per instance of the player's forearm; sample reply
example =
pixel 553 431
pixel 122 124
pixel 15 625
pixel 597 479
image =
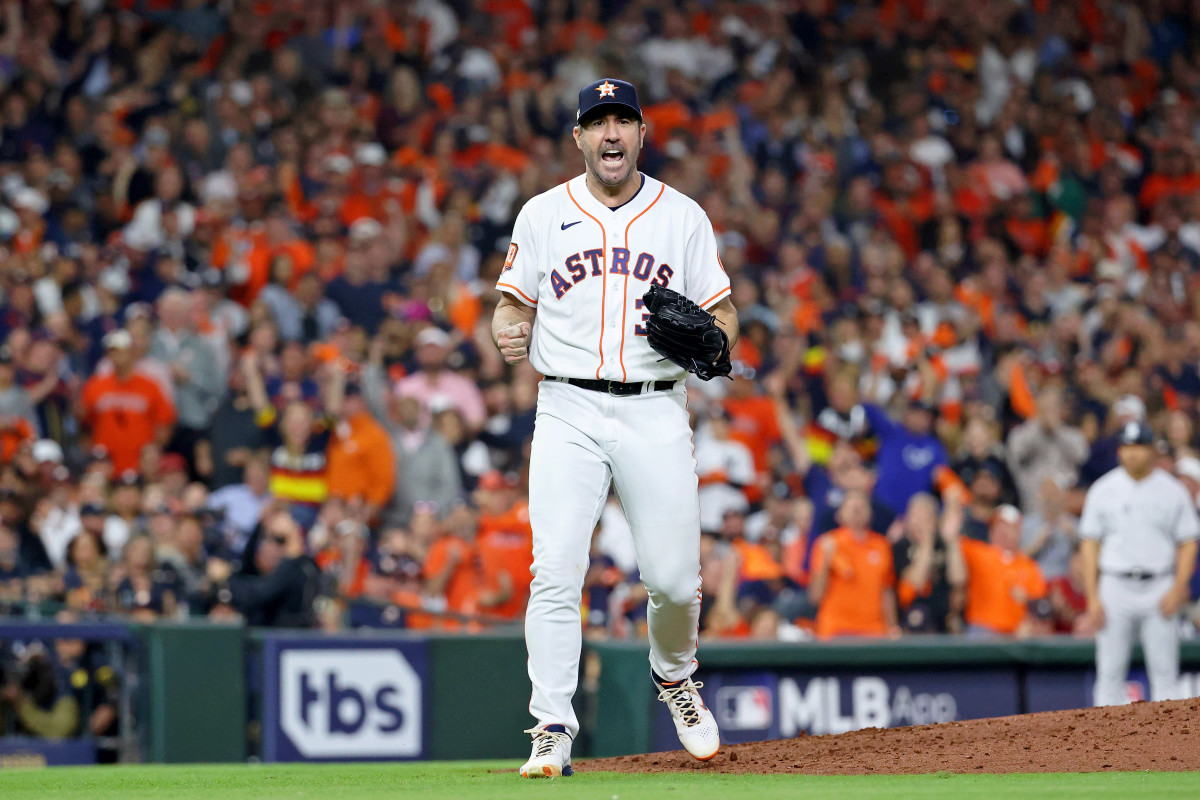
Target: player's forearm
pixel 1089 551
pixel 727 318
pixel 508 313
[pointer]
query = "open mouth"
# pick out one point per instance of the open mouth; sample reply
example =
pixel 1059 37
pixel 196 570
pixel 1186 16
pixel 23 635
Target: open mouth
pixel 612 156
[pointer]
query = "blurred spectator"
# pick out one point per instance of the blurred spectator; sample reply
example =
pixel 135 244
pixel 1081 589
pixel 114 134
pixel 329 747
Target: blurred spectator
pixel 1048 535
pixel 454 574
pixel 911 458
pixel 852 580
pixel 361 464
pixel 140 589
pixel 983 451
pixel 987 494
pixel 17 422
pixel 86 577
pixel 195 376
pixel 1001 580
pixel 125 411
pixel 18 577
pixel 304 314
pixel 37 695
pixel 283 591
pixel 1068 597
pixel 427 469
pixel 240 506
pixel 1045 447
pixel 293 381
pixel 434 381
pixel 358 293
pixel 342 552
pixel 235 435
pixel 298 441
pixel 182 567
pixel 125 508
pixel 930 568
pixel 724 466
pixel 505 543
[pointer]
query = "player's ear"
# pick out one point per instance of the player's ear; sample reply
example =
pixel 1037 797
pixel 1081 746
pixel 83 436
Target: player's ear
pixel 575 133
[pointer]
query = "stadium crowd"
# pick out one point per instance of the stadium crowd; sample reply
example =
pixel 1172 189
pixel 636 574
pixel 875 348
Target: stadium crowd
pixel 249 251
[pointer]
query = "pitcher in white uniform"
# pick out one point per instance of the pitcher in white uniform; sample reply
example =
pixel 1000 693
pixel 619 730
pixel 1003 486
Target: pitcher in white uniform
pixel 610 410
pixel 1139 534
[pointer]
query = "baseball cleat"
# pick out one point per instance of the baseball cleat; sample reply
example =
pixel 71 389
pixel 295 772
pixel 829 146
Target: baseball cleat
pixel 695 724
pixel 551 756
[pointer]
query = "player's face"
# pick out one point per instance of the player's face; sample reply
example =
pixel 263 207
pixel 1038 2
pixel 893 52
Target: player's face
pixel 1137 459
pixel 610 145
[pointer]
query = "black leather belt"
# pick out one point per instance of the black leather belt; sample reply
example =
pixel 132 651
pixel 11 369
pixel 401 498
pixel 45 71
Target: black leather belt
pixel 615 388
pixel 1139 575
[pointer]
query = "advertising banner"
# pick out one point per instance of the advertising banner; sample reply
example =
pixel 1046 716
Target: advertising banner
pixel 343 699
pixel 755 705
pixel 22 752
pixel 1060 689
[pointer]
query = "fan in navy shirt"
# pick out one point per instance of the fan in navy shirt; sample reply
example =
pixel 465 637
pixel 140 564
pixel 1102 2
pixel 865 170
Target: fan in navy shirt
pixel 357 293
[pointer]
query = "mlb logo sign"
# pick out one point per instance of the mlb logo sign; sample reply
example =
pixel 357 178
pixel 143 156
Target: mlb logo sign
pixel 740 708
pixel 330 702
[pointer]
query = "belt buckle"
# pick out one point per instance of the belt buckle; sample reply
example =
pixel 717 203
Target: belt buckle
pixel 1138 574
pixel 616 390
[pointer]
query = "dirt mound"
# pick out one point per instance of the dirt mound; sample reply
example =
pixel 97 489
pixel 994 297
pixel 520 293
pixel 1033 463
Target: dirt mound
pixel 1144 736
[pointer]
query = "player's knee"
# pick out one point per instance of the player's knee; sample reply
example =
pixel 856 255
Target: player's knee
pixel 557 580
pixel 678 593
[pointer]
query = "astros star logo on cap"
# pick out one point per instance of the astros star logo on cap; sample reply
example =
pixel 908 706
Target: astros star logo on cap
pixel 606 89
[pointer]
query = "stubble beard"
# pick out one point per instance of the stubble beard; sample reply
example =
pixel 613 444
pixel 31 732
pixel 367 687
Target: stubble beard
pixel 593 162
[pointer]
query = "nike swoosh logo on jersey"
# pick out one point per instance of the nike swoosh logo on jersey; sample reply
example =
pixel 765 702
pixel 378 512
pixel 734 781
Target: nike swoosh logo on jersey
pixel 566 225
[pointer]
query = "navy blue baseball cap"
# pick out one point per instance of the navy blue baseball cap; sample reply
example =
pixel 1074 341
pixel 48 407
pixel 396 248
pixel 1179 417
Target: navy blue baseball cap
pixel 608 92
pixel 1135 433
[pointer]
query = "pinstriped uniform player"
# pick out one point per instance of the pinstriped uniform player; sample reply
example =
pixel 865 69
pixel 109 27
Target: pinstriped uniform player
pixel 610 411
pixel 1139 534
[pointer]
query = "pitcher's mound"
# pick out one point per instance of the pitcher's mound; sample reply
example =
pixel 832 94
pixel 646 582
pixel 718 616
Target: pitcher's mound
pixel 1144 736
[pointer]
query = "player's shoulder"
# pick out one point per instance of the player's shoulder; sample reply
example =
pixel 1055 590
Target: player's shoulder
pixel 1167 483
pixel 547 201
pixel 1114 479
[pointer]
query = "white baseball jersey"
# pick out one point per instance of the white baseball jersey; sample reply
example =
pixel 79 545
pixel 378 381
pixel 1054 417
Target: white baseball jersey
pixel 585 267
pixel 1139 523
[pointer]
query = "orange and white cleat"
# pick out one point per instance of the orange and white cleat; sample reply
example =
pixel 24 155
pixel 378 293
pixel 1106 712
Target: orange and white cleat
pixel 695 724
pixel 551 756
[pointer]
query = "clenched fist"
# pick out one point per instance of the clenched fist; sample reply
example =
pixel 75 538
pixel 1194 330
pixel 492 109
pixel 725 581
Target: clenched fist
pixel 513 342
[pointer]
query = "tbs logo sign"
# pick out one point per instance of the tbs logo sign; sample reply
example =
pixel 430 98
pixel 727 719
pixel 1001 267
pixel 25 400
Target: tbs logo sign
pixel 350 703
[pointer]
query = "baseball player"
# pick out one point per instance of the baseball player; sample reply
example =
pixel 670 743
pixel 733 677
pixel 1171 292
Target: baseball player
pixel 1139 534
pixel 611 408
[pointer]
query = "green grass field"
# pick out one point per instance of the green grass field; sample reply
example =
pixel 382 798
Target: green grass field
pixel 486 781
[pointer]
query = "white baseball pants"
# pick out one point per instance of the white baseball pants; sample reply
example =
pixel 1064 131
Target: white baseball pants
pixel 582 441
pixel 1131 609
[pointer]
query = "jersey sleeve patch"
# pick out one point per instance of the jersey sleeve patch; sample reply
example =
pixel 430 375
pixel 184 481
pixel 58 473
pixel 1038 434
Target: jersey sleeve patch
pixel 511 257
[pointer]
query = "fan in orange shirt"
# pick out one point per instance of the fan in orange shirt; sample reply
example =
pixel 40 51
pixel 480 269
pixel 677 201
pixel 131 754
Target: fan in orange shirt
pixel 451 568
pixel 852 577
pixel 1001 580
pixel 360 462
pixel 505 544
pixel 124 409
pixel 344 558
